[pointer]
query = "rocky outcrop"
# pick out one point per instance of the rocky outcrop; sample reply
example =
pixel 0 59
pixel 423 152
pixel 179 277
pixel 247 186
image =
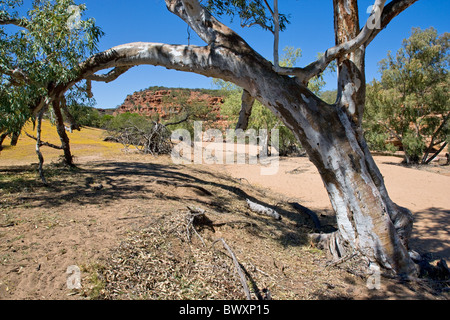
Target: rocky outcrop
pixel 166 103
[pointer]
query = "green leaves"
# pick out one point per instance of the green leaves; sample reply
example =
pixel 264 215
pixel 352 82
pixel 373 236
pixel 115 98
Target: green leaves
pixel 250 12
pixel 412 101
pixel 42 51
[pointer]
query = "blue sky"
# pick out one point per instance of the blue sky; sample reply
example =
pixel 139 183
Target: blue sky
pixel 311 29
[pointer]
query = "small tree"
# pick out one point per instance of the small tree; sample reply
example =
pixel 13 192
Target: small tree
pixel 140 132
pixel 38 52
pixel 411 103
pixel 189 108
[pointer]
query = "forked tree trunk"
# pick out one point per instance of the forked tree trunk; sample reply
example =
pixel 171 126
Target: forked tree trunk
pixel 368 221
pixel 38 146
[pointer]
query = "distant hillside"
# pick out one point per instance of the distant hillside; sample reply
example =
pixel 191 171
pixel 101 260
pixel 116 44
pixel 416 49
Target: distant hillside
pixel 104 112
pixel 163 102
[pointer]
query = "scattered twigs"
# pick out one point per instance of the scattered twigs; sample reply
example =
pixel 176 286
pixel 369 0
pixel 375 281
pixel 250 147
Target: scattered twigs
pixel 260 209
pixel 296 170
pixel 196 217
pixel 7 225
pixel 342 260
pixel 230 223
pixel 132 218
pixel 192 218
pixel 237 268
pixel 151 139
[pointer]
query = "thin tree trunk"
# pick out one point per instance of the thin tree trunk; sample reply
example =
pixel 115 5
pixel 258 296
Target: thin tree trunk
pixel 38 147
pixel 246 110
pixel 276 18
pixel 2 138
pixel 15 138
pixel 432 144
pixel 436 153
pixel 61 129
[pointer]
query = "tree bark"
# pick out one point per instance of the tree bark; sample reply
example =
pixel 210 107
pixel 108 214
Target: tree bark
pixel 38 147
pixel 15 138
pixel 246 110
pixel 351 97
pixel 61 129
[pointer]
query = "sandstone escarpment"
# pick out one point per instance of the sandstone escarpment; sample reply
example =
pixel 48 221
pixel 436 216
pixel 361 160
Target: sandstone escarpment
pixel 163 104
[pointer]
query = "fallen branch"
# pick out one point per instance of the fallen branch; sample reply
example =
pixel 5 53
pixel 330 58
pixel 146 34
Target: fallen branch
pixel 197 216
pixel 230 223
pixel 237 268
pixel 258 208
pixel 7 225
pixel 342 260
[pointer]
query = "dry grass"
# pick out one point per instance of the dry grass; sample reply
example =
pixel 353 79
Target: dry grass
pixel 84 144
pixel 158 263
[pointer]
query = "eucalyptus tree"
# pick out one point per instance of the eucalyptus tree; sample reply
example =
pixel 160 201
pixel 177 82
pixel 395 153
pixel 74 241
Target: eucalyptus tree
pixel 411 102
pixel 41 47
pixel 369 222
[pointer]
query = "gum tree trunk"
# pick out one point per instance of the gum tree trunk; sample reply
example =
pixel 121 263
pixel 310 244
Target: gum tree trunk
pixel 61 129
pixel 366 217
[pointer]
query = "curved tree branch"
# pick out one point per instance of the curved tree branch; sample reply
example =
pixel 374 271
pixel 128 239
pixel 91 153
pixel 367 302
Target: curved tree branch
pixel 179 57
pixel 110 76
pixel 390 11
pixel 366 35
pixel 207 27
pixel 17 76
pixel 18 22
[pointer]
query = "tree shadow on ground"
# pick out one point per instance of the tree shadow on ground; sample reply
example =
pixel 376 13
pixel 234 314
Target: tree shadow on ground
pixel 427 237
pixel 102 183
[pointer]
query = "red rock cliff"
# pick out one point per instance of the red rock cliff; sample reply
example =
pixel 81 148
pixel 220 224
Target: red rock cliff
pixel 168 102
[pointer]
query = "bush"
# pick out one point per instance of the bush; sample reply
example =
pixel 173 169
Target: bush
pixel 140 132
pixel 413 146
pixel 85 116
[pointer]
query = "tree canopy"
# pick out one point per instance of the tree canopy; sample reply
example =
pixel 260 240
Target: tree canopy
pixel 41 47
pixel 411 102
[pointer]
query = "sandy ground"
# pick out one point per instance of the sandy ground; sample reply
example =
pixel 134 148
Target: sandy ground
pixel 73 224
pixel 425 193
